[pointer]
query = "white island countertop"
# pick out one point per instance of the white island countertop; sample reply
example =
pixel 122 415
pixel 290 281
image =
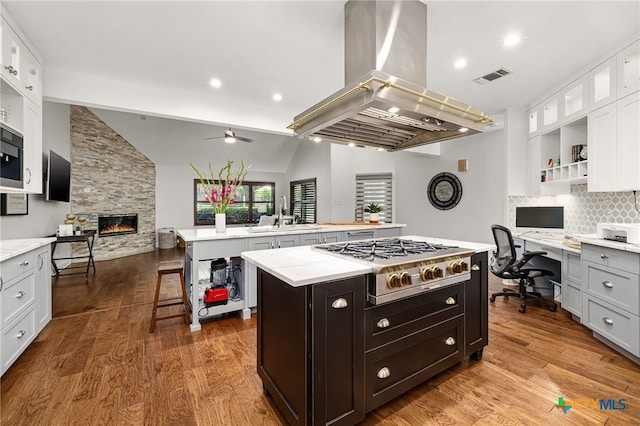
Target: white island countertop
pixel 300 266
pixel 13 248
pixel 205 234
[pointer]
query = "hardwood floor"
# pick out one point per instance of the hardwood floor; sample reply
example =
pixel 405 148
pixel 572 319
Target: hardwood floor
pixel 96 363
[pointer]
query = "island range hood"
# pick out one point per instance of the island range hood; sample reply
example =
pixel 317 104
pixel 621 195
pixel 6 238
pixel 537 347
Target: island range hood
pixel 385 104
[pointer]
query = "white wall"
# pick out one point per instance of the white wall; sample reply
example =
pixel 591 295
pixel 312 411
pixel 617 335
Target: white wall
pixel 44 216
pixel 313 160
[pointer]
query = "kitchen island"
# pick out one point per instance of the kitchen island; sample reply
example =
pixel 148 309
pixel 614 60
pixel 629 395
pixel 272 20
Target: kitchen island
pixel 328 355
pixel 205 244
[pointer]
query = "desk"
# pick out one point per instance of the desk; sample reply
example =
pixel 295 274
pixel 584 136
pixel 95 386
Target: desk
pixel 88 237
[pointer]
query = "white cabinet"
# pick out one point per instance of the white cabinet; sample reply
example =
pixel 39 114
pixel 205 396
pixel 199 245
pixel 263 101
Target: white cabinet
pixel 535 120
pixel 575 100
pixel 551 112
pixel 32 79
pixel 602 84
pixel 32 166
pixel 628 61
pixel 13 50
pixel 25 302
pixel 571 296
pixel 614 152
pixel 273 241
pixel 331 237
pixel 533 165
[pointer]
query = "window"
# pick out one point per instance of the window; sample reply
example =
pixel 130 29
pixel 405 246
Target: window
pixel 375 188
pixel 302 194
pixel 254 200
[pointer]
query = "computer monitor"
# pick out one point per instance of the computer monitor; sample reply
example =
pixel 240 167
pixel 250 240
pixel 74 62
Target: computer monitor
pixel 545 218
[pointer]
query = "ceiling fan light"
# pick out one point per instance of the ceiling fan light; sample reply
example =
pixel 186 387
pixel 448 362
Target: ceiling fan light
pixel 229 136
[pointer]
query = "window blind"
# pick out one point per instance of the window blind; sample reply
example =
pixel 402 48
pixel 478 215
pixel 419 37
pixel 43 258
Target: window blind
pixel 375 188
pixel 303 200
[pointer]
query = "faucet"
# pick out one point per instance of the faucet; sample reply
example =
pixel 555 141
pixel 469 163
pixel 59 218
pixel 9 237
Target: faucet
pixel 281 207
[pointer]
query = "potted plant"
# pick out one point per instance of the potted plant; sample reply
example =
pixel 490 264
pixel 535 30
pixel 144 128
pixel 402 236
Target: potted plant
pixel 373 209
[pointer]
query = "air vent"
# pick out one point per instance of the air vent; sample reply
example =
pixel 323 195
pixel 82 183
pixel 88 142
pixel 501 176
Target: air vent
pixel 502 72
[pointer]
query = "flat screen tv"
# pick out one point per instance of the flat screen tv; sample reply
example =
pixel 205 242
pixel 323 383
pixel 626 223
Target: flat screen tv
pixel 547 218
pixel 58 178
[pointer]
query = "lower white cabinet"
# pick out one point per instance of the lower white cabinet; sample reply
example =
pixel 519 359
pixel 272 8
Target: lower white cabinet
pixel 25 302
pixel 611 295
pixel 571 296
pixel 271 242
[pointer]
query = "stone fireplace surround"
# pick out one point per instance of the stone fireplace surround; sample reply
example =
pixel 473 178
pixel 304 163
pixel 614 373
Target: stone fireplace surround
pixel 110 176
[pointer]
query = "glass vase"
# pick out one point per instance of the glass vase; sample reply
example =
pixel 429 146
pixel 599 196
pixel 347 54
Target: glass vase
pixel 221 222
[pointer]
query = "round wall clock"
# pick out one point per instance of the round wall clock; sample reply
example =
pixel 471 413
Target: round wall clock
pixel 444 191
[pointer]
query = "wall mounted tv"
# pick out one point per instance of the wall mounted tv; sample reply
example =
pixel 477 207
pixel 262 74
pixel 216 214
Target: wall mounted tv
pixel 551 217
pixel 58 178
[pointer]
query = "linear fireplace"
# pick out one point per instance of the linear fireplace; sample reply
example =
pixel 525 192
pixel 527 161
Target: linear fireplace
pixel 117 224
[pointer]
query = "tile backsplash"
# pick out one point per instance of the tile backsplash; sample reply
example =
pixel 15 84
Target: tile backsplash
pixel 582 209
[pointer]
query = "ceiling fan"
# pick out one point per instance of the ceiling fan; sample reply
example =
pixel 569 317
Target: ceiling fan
pixel 230 137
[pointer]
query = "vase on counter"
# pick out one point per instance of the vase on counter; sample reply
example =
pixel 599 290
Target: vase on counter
pixel 374 217
pixel 221 222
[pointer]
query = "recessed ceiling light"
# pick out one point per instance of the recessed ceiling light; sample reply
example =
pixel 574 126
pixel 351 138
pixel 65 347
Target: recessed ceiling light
pixel 277 97
pixel 381 149
pixel 317 139
pixel 393 110
pixel 511 39
pixel 215 82
pixel 463 129
pixel 351 144
pixel 460 63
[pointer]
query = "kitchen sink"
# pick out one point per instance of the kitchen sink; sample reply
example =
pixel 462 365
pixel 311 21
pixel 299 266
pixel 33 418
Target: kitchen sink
pixel 285 228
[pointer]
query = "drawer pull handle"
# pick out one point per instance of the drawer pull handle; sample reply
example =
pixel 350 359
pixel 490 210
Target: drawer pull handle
pixel 25 263
pixel 450 301
pixel 607 284
pixel 1 283
pixel 21 334
pixel 20 294
pixel 383 323
pixel 29 88
pixel 383 373
pixel 607 320
pixel 339 303
pixel 475 267
pixel 450 341
pixel 604 256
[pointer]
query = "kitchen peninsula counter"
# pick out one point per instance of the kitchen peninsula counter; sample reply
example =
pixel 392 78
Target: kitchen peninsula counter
pixel 205 244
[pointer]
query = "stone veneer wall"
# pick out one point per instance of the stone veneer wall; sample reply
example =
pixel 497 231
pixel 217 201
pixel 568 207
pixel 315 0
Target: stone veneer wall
pixel 582 209
pixel 110 176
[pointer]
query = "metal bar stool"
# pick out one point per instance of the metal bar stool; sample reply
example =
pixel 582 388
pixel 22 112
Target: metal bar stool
pixel 166 268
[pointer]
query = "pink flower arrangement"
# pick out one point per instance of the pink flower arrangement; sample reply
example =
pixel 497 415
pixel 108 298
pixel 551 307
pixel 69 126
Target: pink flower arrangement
pixel 223 192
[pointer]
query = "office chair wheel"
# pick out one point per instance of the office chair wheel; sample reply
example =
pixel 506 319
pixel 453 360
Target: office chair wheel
pixel 492 299
pixel 523 308
pixel 553 308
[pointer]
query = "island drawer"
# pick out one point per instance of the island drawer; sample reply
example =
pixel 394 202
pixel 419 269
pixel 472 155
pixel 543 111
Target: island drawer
pixel 15 266
pixel 613 258
pixel 393 369
pixel 16 337
pixel 391 321
pixel 620 327
pixel 614 286
pixel 16 295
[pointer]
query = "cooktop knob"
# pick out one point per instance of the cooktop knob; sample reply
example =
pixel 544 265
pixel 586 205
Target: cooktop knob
pixel 393 281
pixel 437 272
pixel 405 278
pixel 426 274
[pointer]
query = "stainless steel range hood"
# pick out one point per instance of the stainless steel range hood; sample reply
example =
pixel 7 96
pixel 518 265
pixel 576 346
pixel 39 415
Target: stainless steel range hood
pixel 384 103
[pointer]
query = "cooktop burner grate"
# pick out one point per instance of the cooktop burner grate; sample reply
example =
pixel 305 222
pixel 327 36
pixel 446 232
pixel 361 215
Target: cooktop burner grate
pixel 384 249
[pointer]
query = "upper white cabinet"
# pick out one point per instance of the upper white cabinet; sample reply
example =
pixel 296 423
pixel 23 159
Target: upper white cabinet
pixel 535 121
pixel 602 155
pixel 629 70
pixel 628 143
pixel 602 82
pixel 575 99
pixel 21 101
pixel 551 112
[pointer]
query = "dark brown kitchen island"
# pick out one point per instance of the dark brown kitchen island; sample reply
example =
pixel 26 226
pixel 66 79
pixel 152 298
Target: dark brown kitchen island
pixel 327 355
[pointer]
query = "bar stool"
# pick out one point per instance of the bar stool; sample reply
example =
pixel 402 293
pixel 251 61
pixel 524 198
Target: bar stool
pixel 166 268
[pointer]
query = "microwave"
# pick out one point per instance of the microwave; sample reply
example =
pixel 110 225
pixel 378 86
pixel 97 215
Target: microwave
pixel 11 157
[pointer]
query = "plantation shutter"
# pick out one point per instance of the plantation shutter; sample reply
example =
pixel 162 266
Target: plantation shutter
pixel 303 200
pixel 375 188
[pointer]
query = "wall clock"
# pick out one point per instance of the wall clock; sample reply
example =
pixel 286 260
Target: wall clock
pixel 444 191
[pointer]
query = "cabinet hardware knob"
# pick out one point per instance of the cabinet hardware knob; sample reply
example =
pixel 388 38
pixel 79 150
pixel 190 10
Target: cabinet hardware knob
pixel 607 284
pixel 25 263
pixel 29 178
pixel 339 303
pixel 383 323
pixel 450 301
pixel 20 334
pixel 450 341
pixel 20 294
pixel 607 320
pixel 604 256
pixel 475 267
pixel 11 69
pixel 383 373
pixel 29 88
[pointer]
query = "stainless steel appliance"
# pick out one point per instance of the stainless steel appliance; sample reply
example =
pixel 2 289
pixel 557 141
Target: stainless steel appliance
pixel 403 267
pixel 11 157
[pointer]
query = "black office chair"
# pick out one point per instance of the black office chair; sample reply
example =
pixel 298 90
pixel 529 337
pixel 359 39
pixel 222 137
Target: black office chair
pixel 507 266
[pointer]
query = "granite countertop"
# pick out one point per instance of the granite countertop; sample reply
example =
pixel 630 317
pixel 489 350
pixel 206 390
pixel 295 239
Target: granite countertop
pixel 203 234
pixel 13 248
pixel 300 266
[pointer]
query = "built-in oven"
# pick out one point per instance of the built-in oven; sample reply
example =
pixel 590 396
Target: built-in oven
pixel 11 157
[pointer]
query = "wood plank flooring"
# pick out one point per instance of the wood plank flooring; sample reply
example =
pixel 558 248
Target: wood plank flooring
pixel 96 363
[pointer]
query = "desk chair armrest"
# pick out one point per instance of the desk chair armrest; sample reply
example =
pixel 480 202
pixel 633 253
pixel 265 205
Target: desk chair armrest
pixel 526 257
